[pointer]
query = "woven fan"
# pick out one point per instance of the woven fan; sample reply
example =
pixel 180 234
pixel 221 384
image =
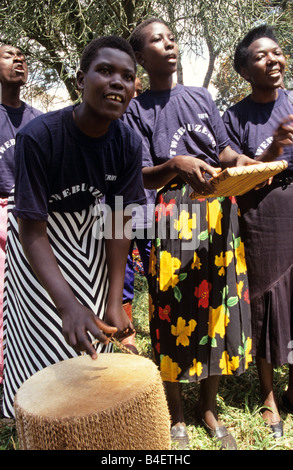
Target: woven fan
pixel 239 180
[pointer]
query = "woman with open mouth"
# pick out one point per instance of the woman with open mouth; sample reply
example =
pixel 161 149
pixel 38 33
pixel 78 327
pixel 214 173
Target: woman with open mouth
pixel 261 125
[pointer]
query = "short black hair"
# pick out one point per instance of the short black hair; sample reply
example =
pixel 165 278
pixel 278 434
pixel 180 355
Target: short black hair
pixel 136 38
pixel 241 51
pixel 114 42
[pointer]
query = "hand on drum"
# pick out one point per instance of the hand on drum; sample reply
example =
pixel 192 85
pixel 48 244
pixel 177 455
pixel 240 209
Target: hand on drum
pixel 244 160
pixel 197 173
pixel 78 322
pixel 117 316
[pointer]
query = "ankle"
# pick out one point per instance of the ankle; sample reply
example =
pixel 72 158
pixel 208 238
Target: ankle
pixel 211 419
pixel 208 414
pixel 270 417
pixel 269 410
pixel 270 402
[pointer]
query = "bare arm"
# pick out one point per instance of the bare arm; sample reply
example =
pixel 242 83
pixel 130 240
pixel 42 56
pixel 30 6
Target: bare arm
pixel 229 158
pixel 77 319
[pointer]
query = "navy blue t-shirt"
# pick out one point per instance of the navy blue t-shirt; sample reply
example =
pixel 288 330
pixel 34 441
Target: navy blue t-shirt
pixel 60 169
pixel 11 121
pixel 251 125
pixel 180 121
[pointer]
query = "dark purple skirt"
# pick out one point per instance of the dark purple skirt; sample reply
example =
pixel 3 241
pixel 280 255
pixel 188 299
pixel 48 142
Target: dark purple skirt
pixel 267 231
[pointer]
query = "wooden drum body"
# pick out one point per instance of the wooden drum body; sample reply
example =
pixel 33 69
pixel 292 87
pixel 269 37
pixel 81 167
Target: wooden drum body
pixel 116 402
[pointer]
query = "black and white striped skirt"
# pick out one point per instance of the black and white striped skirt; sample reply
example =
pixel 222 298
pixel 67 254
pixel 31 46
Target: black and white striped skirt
pixel 33 336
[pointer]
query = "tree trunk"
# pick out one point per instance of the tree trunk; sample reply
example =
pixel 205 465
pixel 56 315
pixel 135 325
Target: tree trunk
pixel 212 59
pixel 179 71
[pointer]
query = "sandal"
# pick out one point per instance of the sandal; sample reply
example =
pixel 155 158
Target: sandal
pixel 276 429
pixel 222 435
pixel 179 436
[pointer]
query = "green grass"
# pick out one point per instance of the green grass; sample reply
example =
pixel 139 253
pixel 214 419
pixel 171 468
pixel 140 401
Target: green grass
pixel 238 399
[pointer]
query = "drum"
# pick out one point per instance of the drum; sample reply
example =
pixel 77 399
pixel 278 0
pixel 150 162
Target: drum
pixel 116 402
pixel 238 180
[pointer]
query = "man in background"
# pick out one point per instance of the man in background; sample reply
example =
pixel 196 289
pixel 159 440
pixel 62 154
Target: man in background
pixel 14 114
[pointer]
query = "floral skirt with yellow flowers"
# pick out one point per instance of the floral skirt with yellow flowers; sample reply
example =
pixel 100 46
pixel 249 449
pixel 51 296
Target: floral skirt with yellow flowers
pixel 199 300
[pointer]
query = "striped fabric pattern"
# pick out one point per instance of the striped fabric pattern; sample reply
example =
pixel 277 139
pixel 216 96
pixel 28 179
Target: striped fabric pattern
pixel 32 327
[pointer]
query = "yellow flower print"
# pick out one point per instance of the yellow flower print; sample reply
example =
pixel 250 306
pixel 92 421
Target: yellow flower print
pixel 184 225
pixel 239 288
pixel 240 257
pixel 223 261
pixel 152 261
pixel 228 366
pixel 196 368
pixel 248 356
pixel 214 216
pixel 151 308
pixel 182 331
pixel 169 369
pixel 168 266
pixel 218 321
pixel 196 261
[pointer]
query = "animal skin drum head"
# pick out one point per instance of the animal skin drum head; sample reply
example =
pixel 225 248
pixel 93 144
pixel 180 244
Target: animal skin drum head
pixel 77 386
pixel 86 404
